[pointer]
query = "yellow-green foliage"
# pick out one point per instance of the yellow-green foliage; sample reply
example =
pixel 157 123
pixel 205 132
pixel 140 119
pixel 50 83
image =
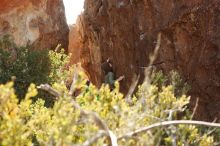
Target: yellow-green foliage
pixel 27 122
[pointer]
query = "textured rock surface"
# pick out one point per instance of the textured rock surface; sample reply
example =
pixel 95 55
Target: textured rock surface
pixel 75 43
pixel 126 31
pixel 41 22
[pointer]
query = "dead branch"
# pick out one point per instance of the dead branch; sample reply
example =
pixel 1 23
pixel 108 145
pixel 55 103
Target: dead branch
pixel 49 89
pixel 101 124
pixel 168 123
pixel 91 141
pixel 195 108
pixel 132 88
pixel 153 57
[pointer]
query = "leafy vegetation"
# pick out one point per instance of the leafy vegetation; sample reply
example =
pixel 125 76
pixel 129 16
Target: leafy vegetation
pixel 28 66
pixel 95 116
pixel 30 122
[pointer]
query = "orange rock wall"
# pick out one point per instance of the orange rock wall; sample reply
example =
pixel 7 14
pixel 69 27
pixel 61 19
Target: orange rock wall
pixel 75 43
pixel 40 22
pixel 126 31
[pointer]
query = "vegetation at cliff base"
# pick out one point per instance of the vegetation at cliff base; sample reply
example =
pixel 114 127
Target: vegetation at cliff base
pixel 157 115
pixel 25 65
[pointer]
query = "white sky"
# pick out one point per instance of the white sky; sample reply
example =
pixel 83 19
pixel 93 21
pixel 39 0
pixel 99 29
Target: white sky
pixel 73 8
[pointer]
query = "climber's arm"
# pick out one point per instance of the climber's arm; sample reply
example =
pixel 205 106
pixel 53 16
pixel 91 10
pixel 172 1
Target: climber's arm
pixel 120 78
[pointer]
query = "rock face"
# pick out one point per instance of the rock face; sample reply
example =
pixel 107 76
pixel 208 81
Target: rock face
pixel 40 22
pixel 126 31
pixel 75 43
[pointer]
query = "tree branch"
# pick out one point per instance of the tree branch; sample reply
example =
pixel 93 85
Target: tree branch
pixel 101 124
pixel 49 89
pixel 168 123
pixel 94 139
pixel 195 108
pixel 132 88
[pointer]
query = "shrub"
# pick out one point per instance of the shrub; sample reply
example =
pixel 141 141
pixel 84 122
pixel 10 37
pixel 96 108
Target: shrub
pixel 30 66
pixel 77 120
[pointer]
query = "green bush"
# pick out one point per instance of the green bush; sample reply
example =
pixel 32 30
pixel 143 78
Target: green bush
pixel 30 66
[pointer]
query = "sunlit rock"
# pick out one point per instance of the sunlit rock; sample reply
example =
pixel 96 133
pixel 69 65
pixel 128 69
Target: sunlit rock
pixel 40 22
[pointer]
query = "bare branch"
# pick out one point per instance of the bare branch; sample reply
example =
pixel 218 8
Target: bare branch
pixel 99 135
pixel 195 108
pixel 132 88
pixel 153 57
pixel 101 124
pixel 168 123
pixel 49 89
pixel 91 141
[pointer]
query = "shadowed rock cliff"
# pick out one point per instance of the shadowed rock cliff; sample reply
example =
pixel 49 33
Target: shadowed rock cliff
pixel 126 31
pixel 40 22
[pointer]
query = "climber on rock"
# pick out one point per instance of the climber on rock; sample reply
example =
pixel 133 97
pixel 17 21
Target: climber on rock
pixel 109 79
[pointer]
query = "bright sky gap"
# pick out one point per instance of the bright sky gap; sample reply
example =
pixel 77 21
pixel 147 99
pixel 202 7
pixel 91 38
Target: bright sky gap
pixel 73 8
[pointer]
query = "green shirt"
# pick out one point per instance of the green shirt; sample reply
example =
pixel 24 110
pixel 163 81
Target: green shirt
pixel 109 79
